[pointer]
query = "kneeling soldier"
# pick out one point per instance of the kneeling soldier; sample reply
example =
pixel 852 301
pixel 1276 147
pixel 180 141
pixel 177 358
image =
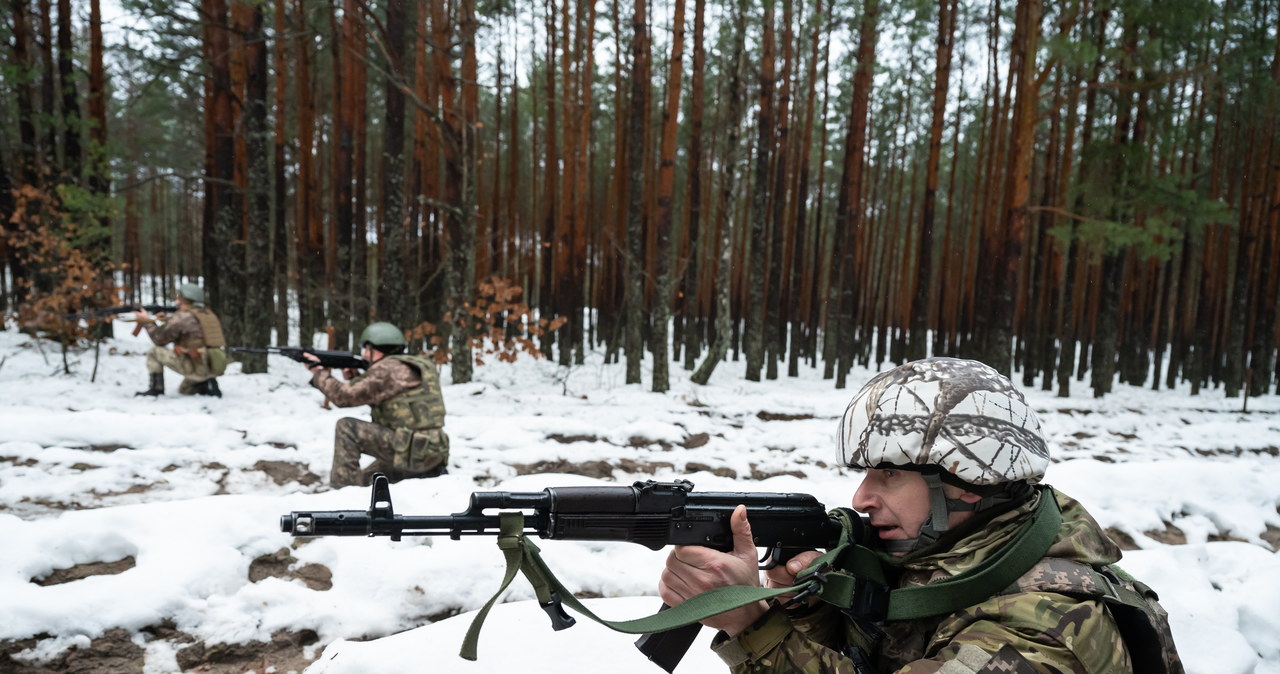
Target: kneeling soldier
pixel 403 391
pixel 195 331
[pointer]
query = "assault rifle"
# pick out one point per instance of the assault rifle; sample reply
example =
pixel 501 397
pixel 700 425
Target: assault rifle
pixel 652 514
pixel 123 309
pixel 339 359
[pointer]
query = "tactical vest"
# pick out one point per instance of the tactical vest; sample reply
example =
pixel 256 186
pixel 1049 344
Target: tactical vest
pixel 420 408
pixel 210 327
pixel 210 331
pixel 1142 621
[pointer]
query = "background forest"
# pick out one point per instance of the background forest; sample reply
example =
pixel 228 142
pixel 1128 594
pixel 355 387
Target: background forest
pixel 1084 188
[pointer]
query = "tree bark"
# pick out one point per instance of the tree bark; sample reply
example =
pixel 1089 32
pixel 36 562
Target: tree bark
pixel 637 216
pixel 666 207
pixel 733 117
pixel 921 307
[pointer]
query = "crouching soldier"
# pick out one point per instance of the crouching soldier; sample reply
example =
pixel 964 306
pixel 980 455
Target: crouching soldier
pixel 406 437
pixel 196 335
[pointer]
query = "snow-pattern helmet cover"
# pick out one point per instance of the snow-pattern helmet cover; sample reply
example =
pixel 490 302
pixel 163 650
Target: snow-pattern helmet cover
pixel 960 415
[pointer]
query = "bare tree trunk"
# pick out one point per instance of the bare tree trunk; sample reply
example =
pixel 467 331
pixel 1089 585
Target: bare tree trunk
pixel 633 313
pixel 849 201
pixel 1017 191
pixel 279 243
pixel 309 234
pixel 393 241
pixel 921 308
pixel 733 117
pixel 223 210
pixel 72 148
pixel 257 306
pixel 753 334
pixel 692 341
pixel 666 195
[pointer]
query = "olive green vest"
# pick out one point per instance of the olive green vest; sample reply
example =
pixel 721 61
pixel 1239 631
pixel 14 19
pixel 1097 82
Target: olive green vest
pixel 418 409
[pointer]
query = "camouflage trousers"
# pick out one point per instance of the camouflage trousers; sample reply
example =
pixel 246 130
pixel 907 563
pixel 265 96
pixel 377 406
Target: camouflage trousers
pixel 193 370
pixel 400 454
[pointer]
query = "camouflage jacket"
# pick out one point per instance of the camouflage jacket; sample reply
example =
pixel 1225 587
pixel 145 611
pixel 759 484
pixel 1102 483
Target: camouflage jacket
pixel 182 329
pixel 403 391
pixel 1027 629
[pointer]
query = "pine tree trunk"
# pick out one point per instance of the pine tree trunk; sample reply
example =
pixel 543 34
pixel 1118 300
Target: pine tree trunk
pixel 690 284
pixel 666 207
pixel 848 216
pixel 921 308
pixel 309 236
pixel 280 249
pixel 222 267
pixel 756 276
pixel 733 116
pixel 258 304
pixel 394 300
pixel 634 306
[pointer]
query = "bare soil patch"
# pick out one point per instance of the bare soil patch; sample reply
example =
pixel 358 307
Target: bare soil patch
pixel 60 576
pixel 286 472
pixel 596 469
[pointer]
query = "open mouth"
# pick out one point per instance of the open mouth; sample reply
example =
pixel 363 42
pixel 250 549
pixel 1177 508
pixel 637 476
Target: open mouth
pixel 887 531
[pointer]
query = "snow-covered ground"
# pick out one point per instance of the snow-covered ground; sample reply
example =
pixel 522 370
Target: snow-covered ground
pixel 172 508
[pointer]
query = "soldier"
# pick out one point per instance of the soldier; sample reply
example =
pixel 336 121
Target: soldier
pixel 952 456
pixel 403 391
pixel 196 335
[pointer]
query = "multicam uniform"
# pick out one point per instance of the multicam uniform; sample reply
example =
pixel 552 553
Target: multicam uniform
pixel 190 331
pixel 1052 632
pixel 1034 627
pixel 406 435
pixel 962 422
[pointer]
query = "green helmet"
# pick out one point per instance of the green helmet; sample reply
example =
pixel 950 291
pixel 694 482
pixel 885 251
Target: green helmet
pixel 383 334
pixel 191 292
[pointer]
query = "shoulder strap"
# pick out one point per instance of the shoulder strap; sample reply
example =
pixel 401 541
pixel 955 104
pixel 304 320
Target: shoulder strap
pixel 990 577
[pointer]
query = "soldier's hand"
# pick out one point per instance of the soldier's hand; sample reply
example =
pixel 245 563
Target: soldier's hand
pixel 312 362
pixel 692 570
pixel 784 575
pixel 142 316
pixel 349 373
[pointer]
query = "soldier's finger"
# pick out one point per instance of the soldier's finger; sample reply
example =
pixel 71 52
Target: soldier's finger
pixel 743 543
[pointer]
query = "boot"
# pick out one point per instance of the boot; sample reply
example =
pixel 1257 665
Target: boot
pixel 157 386
pixel 208 387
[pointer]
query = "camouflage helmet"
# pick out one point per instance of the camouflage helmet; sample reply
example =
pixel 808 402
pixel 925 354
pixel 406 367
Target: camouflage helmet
pixel 192 293
pixel 383 334
pixel 959 415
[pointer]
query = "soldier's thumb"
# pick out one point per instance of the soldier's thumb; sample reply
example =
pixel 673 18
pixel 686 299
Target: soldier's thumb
pixel 744 544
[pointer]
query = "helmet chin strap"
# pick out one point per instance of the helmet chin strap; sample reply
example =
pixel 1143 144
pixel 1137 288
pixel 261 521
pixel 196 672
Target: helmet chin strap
pixel 940 507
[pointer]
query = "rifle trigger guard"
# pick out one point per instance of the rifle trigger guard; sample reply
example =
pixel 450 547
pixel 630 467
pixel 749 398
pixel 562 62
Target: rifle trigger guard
pixel 560 620
pixel 771 558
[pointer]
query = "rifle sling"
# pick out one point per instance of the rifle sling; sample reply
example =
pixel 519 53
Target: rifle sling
pixel 860 566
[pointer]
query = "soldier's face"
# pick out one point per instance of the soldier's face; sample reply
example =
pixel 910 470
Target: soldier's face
pixel 897 501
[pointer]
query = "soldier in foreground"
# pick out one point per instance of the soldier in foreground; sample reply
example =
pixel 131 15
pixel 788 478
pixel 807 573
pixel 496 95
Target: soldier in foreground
pixel 952 456
pixel 197 354
pixel 403 391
